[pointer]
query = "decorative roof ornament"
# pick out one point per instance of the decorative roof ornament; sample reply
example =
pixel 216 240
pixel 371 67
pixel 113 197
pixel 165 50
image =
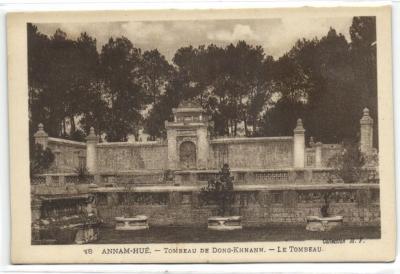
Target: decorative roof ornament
pixel 366 119
pixel 40 132
pixel 311 142
pixel 299 127
pixel 92 135
pixel 189 104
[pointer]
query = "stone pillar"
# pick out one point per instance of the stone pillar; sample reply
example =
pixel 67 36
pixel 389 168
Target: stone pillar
pixel 366 132
pixel 311 142
pixel 290 199
pixel 298 145
pixel 202 147
pixel 318 154
pixel 41 137
pixel 48 180
pixel 195 199
pixel 175 199
pixel 309 176
pixel 36 206
pixel 35 218
pixel 172 149
pixel 81 159
pixel 91 153
pixel 61 180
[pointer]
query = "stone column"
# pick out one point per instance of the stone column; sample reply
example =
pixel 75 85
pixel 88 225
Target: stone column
pixel 366 132
pixel 175 199
pixel 48 180
pixel 91 153
pixel 36 205
pixel 41 137
pixel 298 145
pixel 289 199
pixel 35 218
pixel 81 159
pixel 195 199
pixel 202 147
pixel 172 149
pixel 318 154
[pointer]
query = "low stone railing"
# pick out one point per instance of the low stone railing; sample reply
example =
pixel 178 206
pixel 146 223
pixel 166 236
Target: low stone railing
pixel 60 179
pixel 240 176
pixel 273 176
pixel 137 179
pixel 195 177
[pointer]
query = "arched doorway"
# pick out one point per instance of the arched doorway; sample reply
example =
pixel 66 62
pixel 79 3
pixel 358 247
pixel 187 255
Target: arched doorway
pixel 187 155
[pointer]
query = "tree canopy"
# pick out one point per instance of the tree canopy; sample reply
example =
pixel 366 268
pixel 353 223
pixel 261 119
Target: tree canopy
pixel 120 89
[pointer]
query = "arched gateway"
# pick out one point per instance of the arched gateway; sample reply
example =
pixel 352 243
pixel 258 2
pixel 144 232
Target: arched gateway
pixel 187 134
pixel 187 155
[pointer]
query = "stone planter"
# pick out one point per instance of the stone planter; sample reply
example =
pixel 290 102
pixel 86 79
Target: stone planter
pixel 138 222
pixel 315 223
pixel 225 223
pixel 93 185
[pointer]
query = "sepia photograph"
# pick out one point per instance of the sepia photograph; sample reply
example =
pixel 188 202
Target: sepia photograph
pixel 217 130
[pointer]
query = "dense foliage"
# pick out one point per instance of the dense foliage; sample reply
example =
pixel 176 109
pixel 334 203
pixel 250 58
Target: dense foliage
pixel 120 89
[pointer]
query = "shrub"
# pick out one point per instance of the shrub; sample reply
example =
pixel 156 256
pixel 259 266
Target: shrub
pixel 82 173
pixel 348 164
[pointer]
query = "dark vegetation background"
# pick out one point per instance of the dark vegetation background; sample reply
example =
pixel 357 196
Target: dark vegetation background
pixel 121 89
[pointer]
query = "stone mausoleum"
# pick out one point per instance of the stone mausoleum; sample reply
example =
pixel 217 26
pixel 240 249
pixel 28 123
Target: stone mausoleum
pixel 277 179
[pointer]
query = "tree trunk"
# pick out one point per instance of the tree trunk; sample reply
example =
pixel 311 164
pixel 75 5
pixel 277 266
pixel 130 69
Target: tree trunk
pixel 73 127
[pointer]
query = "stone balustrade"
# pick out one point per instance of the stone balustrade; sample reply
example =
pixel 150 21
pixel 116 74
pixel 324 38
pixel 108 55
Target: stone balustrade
pixel 288 176
pixel 60 179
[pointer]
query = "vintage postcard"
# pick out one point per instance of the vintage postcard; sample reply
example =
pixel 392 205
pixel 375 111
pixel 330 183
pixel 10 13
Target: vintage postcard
pixel 258 135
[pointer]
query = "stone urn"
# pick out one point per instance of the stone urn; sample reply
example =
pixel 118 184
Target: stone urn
pixel 315 223
pixel 224 223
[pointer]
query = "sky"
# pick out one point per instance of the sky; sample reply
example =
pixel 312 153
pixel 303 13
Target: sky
pixel 276 36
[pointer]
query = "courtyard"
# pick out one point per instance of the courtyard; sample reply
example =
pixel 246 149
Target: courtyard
pixel 171 234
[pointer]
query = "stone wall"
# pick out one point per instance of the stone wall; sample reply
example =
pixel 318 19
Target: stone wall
pixel 68 155
pixel 239 153
pixel 252 153
pixel 243 153
pixel 358 206
pixel 122 157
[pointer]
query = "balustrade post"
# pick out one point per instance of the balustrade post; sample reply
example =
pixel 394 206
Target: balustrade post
pixel 41 137
pixel 61 180
pixel 91 152
pixel 366 132
pixel 318 154
pixel 48 180
pixel 299 145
